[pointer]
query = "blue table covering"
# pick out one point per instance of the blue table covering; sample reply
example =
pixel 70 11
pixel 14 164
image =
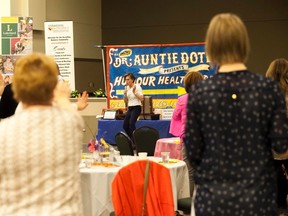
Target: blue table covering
pixel 107 129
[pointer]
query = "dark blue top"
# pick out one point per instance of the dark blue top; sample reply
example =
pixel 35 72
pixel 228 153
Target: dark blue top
pixel 234 120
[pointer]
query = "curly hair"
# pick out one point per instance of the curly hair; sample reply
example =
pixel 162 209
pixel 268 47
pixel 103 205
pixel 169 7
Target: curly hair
pixel 278 71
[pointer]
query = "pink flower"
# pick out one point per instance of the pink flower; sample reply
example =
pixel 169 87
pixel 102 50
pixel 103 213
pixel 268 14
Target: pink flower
pixel 91 145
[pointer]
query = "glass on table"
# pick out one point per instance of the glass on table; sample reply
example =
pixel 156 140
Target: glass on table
pixel 104 154
pixel 165 157
pixel 142 155
pixel 89 162
pixel 117 156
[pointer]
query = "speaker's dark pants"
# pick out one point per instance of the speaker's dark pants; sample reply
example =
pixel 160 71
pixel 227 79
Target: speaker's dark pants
pixel 131 116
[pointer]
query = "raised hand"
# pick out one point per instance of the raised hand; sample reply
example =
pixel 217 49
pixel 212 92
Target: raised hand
pixel 62 90
pixel 82 101
pixel 125 90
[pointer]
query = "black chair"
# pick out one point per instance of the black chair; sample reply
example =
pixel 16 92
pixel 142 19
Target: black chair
pixel 184 204
pixel 124 144
pixel 145 139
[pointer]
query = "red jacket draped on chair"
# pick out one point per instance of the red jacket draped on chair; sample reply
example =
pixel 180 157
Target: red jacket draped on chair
pixel 128 187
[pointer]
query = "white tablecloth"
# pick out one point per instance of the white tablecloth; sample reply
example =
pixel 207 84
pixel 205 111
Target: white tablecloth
pixel 97 192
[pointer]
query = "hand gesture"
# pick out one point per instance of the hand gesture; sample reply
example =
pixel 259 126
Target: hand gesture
pixel 82 101
pixel 62 90
pixel 125 90
pixel 61 95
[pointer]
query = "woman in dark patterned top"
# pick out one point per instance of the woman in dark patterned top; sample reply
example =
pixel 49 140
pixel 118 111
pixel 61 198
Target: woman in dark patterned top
pixel 234 121
pixel 278 71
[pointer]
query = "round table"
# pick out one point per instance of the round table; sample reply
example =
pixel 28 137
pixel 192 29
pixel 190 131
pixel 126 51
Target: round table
pixel 97 191
pixel 171 145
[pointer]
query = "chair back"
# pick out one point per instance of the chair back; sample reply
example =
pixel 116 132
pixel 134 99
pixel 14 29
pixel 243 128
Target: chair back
pixel 145 139
pixel 124 144
pixel 128 190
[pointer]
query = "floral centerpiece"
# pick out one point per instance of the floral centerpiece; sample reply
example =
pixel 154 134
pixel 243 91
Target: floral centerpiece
pixel 95 145
pixel 92 146
pixel 100 149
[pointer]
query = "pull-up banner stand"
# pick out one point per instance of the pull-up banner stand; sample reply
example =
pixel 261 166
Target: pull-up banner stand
pixel 59 44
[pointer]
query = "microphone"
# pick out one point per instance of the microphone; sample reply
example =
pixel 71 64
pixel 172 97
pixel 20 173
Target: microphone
pixel 125 90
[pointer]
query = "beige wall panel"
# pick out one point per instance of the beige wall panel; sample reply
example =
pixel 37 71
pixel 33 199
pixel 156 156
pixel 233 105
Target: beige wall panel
pixel 86 17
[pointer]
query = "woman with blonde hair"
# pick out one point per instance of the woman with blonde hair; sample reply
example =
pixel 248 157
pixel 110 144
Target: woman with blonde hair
pixel 234 121
pixel 278 71
pixel 40 146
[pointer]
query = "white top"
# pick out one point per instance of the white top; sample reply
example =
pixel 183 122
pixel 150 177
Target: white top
pixel 132 99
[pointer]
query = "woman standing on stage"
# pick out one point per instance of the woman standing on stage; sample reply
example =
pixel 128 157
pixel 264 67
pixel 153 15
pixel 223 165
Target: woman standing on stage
pixel 132 98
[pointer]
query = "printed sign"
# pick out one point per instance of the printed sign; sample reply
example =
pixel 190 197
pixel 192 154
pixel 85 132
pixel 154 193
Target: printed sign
pixel 59 44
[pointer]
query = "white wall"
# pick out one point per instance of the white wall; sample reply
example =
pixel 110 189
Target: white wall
pixel 5 8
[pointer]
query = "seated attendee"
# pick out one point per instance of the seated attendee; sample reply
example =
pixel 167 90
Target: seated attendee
pixel 177 125
pixel 40 152
pixel 7 103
